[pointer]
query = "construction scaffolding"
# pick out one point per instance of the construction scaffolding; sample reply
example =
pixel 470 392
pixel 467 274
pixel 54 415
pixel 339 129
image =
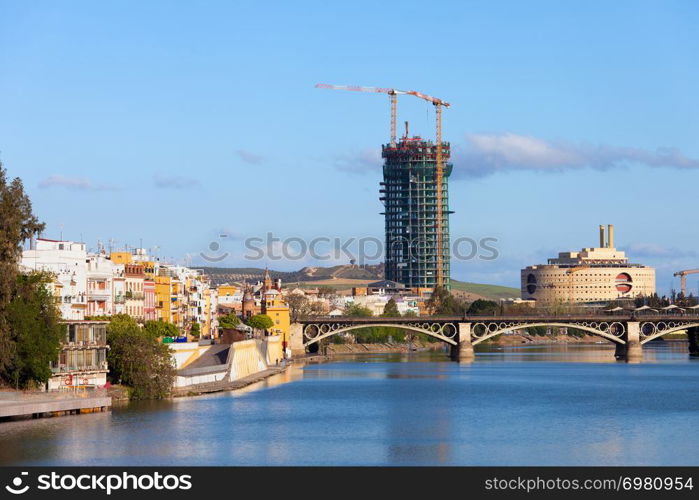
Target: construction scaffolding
pixel 417 241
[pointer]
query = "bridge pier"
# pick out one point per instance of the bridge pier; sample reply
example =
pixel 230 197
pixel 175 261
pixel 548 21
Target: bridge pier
pixel 296 340
pixel 692 338
pixel 631 351
pixel 463 351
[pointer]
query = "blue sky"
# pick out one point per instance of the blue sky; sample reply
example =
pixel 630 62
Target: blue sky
pixel 176 122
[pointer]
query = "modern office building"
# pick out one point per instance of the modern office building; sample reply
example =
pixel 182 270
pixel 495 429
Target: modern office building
pixel 410 195
pixel 590 276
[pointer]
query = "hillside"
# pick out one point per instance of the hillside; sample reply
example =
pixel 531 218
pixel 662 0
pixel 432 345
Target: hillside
pixel 347 276
pixel 366 273
pixel 492 292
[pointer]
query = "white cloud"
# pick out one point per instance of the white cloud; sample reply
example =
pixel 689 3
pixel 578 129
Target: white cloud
pixel 75 183
pixel 484 154
pixel 653 250
pixel 360 162
pixel 248 157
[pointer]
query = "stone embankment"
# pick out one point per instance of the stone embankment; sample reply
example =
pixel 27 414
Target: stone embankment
pixel 379 348
pixel 526 339
pixel 223 367
pixel 501 340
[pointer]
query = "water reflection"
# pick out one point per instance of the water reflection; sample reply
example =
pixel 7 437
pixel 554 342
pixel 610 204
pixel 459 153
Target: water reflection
pixel 535 405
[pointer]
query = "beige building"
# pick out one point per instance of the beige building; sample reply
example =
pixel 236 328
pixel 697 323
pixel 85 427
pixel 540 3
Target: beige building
pixel 592 275
pixel 82 361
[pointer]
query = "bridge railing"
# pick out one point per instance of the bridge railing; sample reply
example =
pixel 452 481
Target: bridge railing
pixel 593 316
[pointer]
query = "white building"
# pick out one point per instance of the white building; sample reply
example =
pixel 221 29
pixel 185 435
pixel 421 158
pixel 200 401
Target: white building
pixel 67 260
pixel 100 287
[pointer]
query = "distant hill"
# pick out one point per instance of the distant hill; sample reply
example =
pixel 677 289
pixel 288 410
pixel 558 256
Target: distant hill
pixel 347 276
pixel 370 273
pixel 491 292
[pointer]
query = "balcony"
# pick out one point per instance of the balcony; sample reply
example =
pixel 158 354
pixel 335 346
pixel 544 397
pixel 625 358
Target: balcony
pixel 99 295
pixel 62 368
pixel 74 299
pixel 81 344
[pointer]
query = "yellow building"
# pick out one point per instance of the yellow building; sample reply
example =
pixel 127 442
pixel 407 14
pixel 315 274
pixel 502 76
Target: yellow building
pixel 121 257
pixel 149 269
pixel 209 300
pixel 226 290
pixel 273 305
pixel 177 302
pixel 163 294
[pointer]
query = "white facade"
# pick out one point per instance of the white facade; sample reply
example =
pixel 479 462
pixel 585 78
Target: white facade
pixel 100 288
pixel 377 303
pixel 118 289
pixel 67 260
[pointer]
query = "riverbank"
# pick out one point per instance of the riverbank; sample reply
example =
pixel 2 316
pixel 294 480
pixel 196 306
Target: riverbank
pixel 208 388
pixel 526 339
pixel 500 340
pixel 24 405
pixel 381 348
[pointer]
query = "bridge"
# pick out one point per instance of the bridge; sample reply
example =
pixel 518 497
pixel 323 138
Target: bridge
pixel 628 332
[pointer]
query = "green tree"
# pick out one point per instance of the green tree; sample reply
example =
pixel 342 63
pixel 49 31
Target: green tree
pixel 17 224
pixel 260 322
pixel 373 334
pixel 357 310
pixel 228 321
pixel 443 303
pixel 482 307
pixel 390 310
pixel 138 360
pixel 34 330
pixel 160 329
pixel 195 331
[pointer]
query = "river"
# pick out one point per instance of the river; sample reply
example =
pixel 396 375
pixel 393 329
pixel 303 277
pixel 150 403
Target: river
pixel 540 405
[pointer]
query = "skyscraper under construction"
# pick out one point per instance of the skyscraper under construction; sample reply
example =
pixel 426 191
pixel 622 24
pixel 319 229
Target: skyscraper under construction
pixel 416 198
pixel 414 248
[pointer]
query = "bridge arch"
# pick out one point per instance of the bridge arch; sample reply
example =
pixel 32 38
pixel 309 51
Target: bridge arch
pixel 490 334
pixel 655 329
pixel 452 340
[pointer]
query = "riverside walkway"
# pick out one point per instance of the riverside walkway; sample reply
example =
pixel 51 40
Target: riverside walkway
pixel 15 405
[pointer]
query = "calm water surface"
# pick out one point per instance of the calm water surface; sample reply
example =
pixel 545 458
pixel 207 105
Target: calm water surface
pixel 552 405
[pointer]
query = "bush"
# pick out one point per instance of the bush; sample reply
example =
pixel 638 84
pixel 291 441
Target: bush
pixel 139 360
pixel 260 322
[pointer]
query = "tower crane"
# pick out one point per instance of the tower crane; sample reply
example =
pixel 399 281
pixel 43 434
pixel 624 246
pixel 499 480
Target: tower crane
pixel 683 278
pixel 439 171
pixel 392 94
